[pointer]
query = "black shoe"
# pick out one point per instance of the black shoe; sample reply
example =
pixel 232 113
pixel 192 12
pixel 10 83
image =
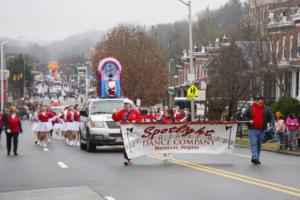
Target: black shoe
pixel 15 153
pixel 256 162
pixel 127 162
pixel 8 153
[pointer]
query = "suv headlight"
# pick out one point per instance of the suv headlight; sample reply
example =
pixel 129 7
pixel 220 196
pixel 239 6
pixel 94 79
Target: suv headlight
pixel 97 124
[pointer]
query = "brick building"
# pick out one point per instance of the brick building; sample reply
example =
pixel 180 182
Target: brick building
pixel 204 60
pixel 284 39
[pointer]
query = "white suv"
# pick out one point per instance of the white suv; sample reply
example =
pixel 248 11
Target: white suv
pixel 97 127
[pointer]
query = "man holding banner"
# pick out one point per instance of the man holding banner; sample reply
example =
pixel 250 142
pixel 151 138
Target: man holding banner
pixel 128 114
pixel 260 115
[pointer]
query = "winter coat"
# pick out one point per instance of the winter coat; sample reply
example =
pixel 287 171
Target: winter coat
pixel 267 116
pixel 133 115
pixel 14 124
pixel 292 124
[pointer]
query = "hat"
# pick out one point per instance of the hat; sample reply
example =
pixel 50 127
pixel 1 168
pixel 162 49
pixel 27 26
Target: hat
pixel 278 114
pixel 256 98
pixel 130 102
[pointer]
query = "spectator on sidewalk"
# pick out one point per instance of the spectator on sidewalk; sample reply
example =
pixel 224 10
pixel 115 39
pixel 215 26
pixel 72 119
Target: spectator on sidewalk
pixel 13 129
pixel 292 126
pixel 260 115
pixel 279 127
pixel 239 117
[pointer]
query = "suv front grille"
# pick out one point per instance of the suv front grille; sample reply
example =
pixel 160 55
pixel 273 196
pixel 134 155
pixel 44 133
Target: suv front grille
pixel 112 125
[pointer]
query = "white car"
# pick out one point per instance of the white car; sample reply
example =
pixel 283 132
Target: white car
pixel 97 127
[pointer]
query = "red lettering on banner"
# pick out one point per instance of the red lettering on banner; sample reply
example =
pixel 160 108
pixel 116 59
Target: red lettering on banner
pixel 164 131
pixel 184 131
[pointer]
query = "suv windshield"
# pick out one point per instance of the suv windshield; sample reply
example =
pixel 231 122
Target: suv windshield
pixel 105 107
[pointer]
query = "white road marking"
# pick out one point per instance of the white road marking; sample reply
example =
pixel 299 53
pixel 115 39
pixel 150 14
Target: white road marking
pixel 45 149
pixel 62 165
pixel 109 198
pixel 240 155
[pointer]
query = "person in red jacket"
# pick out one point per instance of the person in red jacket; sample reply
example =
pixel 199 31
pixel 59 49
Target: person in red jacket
pixel 168 117
pixel 13 128
pixel 128 114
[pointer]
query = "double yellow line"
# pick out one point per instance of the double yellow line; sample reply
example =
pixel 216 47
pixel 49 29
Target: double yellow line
pixel 246 179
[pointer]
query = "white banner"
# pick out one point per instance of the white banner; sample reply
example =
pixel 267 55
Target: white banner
pixel 144 138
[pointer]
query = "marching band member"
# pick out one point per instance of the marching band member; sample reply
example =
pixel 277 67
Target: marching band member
pixel 130 115
pixel 76 123
pixel 64 127
pixel 45 126
pixel 57 127
pixel 13 128
pixel 178 114
pixel 70 126
pixel 51 115
pixel 35 126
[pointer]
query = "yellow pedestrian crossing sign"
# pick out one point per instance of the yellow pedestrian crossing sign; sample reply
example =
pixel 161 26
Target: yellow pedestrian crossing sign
pixel 192 92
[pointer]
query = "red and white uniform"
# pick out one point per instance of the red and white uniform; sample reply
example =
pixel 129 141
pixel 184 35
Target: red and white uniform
pixel 76 121
pixel 69 118
pixel 45 124
pixel 178 116
pixel 63 118
pixel 133 115
pixel 36 122
pixel 152 117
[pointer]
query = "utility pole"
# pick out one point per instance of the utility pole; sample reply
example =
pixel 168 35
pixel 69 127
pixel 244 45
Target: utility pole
pixel 191 75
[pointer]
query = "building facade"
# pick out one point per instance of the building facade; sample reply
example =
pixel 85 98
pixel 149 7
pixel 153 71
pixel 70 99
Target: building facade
pixel 284 39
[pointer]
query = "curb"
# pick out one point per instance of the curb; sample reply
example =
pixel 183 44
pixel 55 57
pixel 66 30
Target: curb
pixel 278 151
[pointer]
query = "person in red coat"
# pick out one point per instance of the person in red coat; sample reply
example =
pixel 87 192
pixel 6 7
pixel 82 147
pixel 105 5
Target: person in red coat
pixel 128 114
pixel 13 128
pixel 168 117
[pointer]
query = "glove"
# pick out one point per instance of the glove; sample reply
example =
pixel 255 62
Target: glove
pixel 8 130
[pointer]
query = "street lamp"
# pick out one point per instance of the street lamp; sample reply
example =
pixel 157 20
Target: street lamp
pixel 86 79
pixel 191 75
pixel 2 77
pixel 170 62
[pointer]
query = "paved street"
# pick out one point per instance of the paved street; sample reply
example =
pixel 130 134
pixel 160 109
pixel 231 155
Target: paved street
pixel 68 170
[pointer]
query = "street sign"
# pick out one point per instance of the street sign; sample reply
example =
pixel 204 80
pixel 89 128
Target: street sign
pixel 6 74
pixel 202 95
pixel 192 92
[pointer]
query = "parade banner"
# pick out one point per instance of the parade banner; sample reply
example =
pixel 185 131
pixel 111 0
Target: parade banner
pixel 212 138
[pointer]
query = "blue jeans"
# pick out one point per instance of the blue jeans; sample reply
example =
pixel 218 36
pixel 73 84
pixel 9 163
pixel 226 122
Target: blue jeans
pixel 240 130
pixel 256 137
pixel 280 137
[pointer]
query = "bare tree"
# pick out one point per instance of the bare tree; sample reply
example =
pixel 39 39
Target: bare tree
pixel 231 80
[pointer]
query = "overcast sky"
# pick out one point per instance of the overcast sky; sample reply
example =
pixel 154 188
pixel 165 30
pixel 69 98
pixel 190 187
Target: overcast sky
pixel 57 19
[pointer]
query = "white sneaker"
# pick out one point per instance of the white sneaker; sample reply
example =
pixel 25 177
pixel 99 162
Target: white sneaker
pixel 45 145
pixel 78 143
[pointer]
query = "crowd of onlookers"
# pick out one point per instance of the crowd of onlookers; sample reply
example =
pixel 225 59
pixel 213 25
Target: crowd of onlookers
pixel 285 130
pixel 165 114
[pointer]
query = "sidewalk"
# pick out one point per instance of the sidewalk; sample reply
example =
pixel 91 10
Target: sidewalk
pixel 62 193
pixel 273 147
